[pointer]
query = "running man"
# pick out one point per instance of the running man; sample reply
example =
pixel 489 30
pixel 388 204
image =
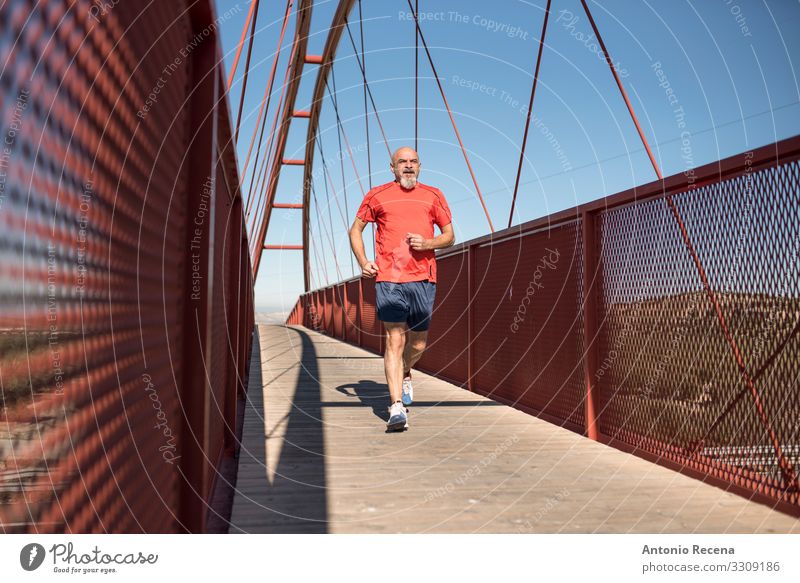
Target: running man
pixel 404 269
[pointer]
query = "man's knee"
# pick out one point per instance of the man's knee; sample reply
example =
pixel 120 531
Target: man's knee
pixel 395 340
pixel 417 341
pixel 418 345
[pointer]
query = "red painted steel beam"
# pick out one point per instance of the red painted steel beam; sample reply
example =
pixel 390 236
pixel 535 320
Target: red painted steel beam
pixel 296 66
pixel 293 162
pixel 325 61
pixel 591 271
pixel 284 247
pixel 286 205
pixel 267 160
pixel 253 5
pixel 301 113
pixel 314 59
pixel 246 74
pixel 265 100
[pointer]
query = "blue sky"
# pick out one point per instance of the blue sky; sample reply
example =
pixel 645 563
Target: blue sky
pixel 707 79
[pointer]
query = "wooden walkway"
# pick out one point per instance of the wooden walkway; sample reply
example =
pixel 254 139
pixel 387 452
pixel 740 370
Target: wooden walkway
pixel 315 459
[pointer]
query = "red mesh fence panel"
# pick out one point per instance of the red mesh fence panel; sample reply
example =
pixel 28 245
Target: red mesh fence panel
pixel 329 311
pixel 527 324
pixel 71 310
pixel 370 325
pixel 318 317
pixel 670 384
pixel 662 353
pixel 309 309
pixel 95 271
pixel 447 351
pixel 221 366
pixel 338 311
pixel 351 315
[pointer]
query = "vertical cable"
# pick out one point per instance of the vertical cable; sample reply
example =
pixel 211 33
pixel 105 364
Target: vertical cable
pixel 253 4
pixel 246 72
pixel 366 111
pixel 530 111
pixel 452 119
pixel 786 468
pixel 416 81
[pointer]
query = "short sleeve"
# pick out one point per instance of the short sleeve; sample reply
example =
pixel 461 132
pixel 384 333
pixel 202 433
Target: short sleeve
pixel 365 212
pixel 441 212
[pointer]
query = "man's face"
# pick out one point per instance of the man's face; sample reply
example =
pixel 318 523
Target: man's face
pixel 405 165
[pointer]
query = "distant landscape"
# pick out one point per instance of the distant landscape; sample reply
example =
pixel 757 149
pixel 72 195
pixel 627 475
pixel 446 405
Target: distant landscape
pixel 271 317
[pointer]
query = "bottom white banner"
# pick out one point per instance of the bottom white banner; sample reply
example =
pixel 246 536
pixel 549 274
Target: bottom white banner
pixel 600 557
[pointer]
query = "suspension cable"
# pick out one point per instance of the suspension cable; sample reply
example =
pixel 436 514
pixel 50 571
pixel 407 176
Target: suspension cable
pixel 416 81
pixel 344 135
pixel 363 66
pixel 265 101
pixel 785 465
pixel 246 73
pixel 450 113
pixel 530 111
pixel 328 201
pixel 369 91
pixel 327 174
pixel 231 75
pixel 330 238
pixel 265 163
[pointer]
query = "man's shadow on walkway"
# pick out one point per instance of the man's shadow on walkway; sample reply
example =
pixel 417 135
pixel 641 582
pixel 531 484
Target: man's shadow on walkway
pixel 371 394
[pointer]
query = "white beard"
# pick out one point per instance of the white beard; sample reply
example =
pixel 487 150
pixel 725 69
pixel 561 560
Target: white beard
pixel 408 181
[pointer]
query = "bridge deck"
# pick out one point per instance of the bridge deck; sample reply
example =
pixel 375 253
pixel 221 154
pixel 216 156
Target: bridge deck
pixel 315 458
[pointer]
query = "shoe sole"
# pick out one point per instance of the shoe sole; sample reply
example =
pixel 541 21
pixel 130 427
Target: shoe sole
pixel 397 427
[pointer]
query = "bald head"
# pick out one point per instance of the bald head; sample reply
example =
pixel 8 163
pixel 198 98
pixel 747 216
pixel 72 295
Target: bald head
pixel 405 166
pixel 406 153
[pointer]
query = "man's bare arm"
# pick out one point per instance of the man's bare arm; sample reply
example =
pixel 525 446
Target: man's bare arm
pixel 368 268
pixel 419 243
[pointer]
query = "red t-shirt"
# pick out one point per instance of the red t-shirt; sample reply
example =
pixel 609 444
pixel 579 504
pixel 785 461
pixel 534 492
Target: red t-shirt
pixel 397 212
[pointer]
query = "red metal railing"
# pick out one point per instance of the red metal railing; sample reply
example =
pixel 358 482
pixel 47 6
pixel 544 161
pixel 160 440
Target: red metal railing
pixel 595 318
pixel 125 288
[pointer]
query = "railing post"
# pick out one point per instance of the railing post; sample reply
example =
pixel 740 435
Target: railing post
pixel 590 329
pixel 343 291
pixel 470 319
pixel 359 312
pixel 202 200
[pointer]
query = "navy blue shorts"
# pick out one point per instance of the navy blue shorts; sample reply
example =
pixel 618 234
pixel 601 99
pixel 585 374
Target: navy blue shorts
pixel 410 302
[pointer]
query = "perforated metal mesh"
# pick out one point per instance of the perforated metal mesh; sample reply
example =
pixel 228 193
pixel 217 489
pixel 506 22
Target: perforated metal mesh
pixel 95 272
pixel 528 326
pixel 351 315
pixel 447 351
pixel 666 376
pixel 669 377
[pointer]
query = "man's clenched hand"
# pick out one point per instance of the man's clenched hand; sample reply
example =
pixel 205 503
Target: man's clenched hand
pixel 369 269
pixel 417 242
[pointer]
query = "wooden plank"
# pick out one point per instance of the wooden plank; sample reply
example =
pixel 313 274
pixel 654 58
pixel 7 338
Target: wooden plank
pixel 315 458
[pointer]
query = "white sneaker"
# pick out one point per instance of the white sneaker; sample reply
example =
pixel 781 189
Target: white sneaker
pixel 408 391
pixel 398 418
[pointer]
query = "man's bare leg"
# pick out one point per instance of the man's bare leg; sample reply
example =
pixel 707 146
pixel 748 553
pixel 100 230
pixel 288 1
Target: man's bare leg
pixel 415 346
pixel 393 357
